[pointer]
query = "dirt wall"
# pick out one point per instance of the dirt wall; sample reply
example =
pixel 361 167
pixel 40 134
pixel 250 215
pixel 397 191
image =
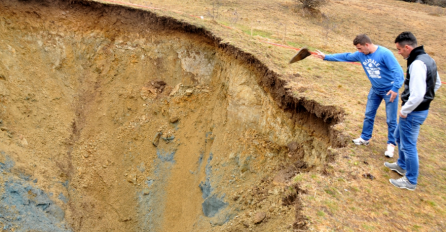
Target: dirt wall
pixel 116 119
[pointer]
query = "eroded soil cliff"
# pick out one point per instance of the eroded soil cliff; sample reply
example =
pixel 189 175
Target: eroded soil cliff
pixel 115 119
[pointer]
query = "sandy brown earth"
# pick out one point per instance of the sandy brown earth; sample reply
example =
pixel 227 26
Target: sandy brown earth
pixel 114 119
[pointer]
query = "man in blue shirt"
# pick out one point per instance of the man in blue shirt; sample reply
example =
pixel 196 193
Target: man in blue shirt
pixel 385 75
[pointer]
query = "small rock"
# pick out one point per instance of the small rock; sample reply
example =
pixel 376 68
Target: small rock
pixel 175 89
pixel 23 141
pixel 258 218
pixel 126 219
pixel 156 140
pixel 174 119
pixel 368 176
pixel 167 139
pixel 292 146
pixel 231 156
pixel 159 85
pixel 189 92
pixel 131 178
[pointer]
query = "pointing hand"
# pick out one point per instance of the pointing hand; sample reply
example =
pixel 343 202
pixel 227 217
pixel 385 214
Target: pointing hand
pixel 319 54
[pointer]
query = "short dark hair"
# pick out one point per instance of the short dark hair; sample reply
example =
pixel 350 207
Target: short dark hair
pixel 362 39
pixel 406 38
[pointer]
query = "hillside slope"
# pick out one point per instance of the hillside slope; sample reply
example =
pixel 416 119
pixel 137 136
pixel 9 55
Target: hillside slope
pixel 185 116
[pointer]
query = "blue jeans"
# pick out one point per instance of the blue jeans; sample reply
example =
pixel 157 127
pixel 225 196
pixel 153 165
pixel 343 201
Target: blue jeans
pixel 406 137
pixel 373 101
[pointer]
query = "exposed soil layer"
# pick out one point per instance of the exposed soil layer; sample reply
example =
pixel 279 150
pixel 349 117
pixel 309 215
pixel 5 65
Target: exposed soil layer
pixel 118 119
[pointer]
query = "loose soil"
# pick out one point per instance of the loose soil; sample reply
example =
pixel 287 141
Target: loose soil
pixel 116 119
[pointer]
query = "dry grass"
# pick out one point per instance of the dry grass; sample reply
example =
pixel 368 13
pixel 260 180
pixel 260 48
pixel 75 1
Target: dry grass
pixel 344 199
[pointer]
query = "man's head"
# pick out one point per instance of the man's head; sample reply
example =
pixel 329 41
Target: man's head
pixel 405 43
pixel 364 44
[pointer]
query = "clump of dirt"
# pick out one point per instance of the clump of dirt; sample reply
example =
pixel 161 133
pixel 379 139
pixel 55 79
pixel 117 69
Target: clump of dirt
pixel 117 119
pixel 272 203
pixel 293 199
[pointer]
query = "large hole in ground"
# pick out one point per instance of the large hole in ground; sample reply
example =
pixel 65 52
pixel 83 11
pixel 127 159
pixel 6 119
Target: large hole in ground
pixel 117 119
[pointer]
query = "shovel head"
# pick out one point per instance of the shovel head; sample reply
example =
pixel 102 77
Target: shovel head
pixel 300 55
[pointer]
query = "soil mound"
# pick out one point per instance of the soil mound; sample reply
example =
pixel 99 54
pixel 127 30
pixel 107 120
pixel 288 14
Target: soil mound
pixel 117 119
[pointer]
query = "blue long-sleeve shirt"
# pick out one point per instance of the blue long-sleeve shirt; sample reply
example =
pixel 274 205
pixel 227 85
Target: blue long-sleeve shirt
pixel 381 67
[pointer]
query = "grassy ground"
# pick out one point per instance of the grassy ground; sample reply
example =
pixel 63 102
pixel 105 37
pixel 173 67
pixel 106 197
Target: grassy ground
pixel 343 199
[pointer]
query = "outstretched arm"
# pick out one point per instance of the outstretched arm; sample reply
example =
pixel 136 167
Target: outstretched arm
pixel 342 57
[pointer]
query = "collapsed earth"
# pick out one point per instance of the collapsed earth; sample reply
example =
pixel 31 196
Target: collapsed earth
pixel 117 119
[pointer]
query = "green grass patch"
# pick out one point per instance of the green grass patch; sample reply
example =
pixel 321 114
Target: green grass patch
pixel 298 178
pixel 367 227
pixel 416 228
pixel 320 213
pixel 368 190
pixel 431 203
pixel 331 205
pixel 258 32
pixel 330 191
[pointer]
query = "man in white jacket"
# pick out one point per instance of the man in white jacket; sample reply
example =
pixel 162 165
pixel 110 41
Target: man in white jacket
pixel 421 83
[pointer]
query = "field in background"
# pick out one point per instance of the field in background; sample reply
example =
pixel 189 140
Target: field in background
pixel 352 193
